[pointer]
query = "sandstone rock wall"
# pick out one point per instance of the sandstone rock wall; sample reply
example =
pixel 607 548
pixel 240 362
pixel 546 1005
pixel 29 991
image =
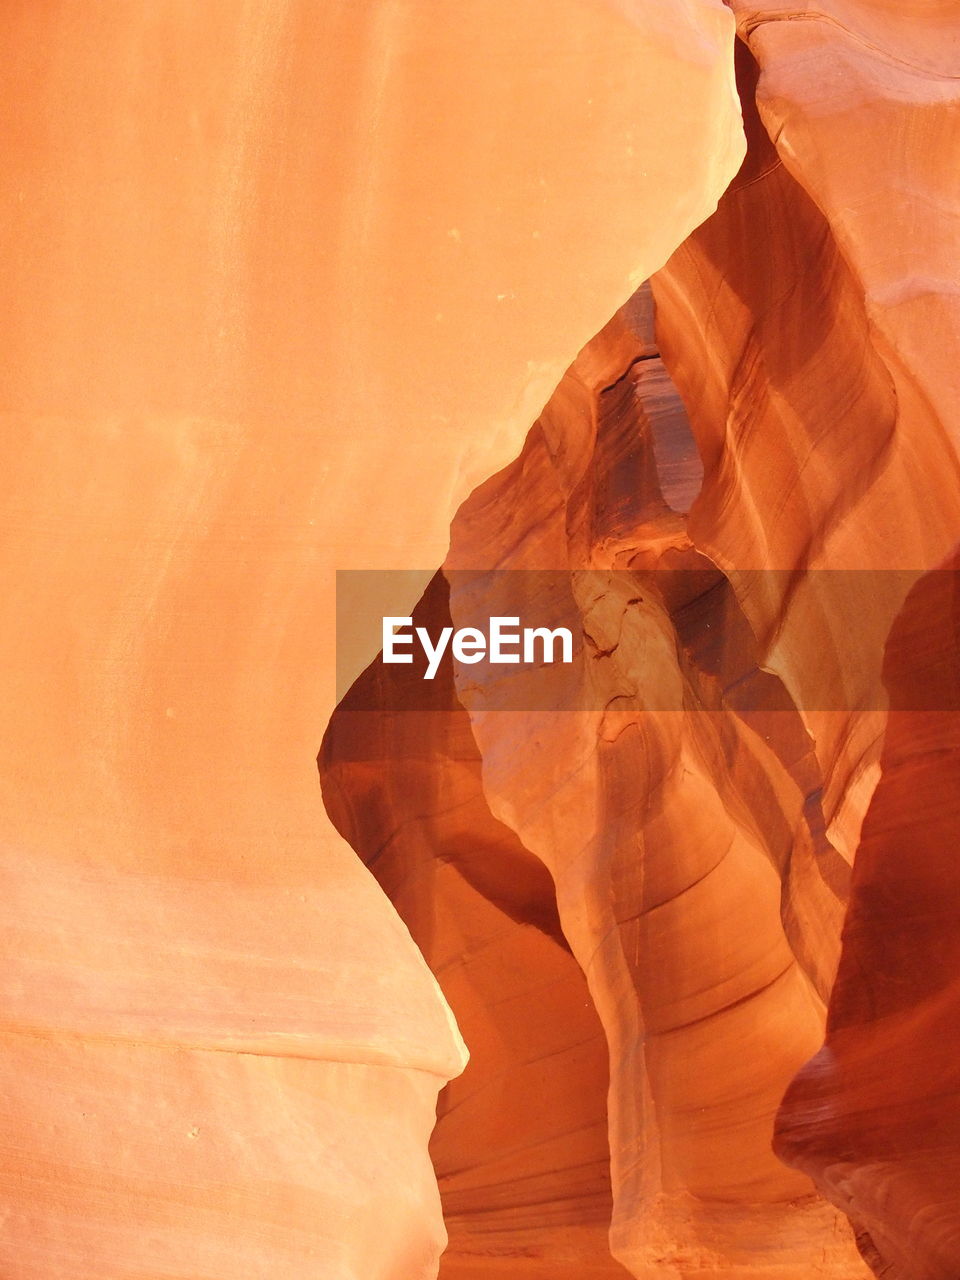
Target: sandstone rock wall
pixel 740 508
pixel 298 287
pixel 282 282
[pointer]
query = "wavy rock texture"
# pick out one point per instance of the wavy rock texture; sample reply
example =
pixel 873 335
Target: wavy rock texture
pixel 883 1090
pixel 693 883
pixel 282 282
pixel 759 558
pixel 520 1147
pixel 688 874
pixel 285 286
pixel 875 1116
pixel 810 429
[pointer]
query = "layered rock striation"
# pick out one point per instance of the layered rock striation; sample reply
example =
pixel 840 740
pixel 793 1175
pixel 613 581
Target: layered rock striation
pixel 745 511
pixel 282 282
pixel 286 286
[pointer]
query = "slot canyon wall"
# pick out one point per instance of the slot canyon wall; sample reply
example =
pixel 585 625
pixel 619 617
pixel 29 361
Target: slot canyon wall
pixel 636 314
pixel 732 493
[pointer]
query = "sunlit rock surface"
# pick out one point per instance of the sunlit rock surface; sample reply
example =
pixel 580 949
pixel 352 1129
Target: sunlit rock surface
pixel 282 282
pixel 739 509
pixel 301 287
pixel 689 874
pixel 520 1147
pixel 875 1116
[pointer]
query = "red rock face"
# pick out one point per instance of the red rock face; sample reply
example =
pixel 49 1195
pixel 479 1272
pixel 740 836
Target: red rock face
pixel 520 1147
pixel 693 885
pixel 737 534
pixel 874 1116
pixel 670 904
pixel 282 283
pixel 285 287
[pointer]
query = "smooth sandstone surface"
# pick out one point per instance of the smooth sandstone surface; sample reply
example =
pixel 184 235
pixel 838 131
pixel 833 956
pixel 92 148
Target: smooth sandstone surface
pixel 695 890
pixel 689 878
pixel 521 1148
pixel 817 442
pixel 282 283
pixel 750 526
pixel 873 1118
pixel 285 288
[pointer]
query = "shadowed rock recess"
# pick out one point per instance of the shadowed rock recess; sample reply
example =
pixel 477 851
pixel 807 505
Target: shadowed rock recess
pixel 634 317
pixel 283 281
pixel 740 493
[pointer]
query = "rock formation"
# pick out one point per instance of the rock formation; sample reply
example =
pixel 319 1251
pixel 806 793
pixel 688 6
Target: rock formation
pixel 688 874
pixel 739 534
pixel 861 1119
pixel 282 282
pixel 875 1116
pixel 493 299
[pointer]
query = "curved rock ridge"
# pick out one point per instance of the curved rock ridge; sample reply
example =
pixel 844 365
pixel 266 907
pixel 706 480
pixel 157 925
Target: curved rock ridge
pixel 694 884
pixel 736 517
pixel 520 1147
pixel 882 1092
pixel 690 879
pixel 810 430
pixel 875 1116
pixel 284 288
pixel 281 282
pixel 886 84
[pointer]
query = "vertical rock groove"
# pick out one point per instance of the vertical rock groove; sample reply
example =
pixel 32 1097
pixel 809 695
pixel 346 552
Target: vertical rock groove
pixel 728 501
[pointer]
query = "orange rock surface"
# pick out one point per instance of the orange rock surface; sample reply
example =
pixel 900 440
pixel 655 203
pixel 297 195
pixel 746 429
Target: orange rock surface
pixel 758 560
pixel 875 1116
pixel 520 1148
pixel 695 891
pixel 282 283
pixel 298 287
